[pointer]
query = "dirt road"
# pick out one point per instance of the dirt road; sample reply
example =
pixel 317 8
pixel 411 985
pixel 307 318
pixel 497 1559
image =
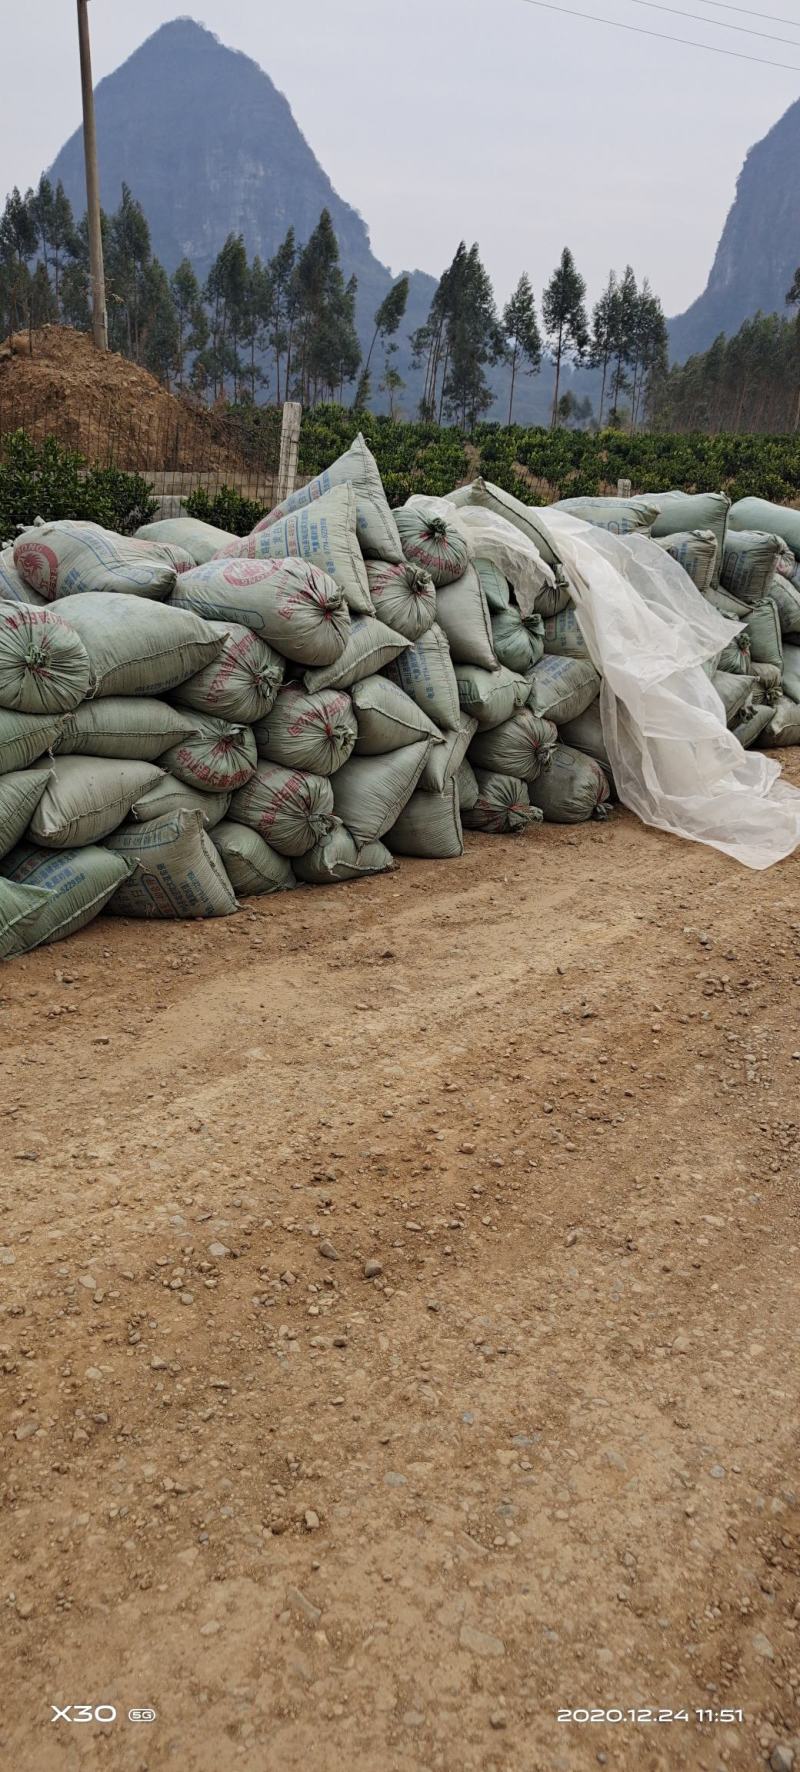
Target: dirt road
pixel 545 1457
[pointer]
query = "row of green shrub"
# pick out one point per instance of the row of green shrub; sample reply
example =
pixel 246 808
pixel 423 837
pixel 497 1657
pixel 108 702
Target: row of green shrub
pixel 46 480
pixel 543 465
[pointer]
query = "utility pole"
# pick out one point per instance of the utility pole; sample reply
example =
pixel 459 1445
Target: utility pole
pixel 97 274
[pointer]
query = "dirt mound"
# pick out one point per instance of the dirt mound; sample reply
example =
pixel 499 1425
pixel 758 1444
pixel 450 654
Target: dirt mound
pixel 107 407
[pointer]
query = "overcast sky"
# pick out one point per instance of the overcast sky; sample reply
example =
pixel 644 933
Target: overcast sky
pixel 494 120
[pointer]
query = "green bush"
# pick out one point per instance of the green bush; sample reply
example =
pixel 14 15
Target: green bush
pixel 538 464
pixel 228 509
pixel 46 480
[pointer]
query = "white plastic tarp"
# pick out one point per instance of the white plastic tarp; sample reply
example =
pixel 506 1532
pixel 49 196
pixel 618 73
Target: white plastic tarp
pixel 649 631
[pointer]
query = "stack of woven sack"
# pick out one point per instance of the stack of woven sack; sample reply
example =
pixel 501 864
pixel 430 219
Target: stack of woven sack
pixel 188 717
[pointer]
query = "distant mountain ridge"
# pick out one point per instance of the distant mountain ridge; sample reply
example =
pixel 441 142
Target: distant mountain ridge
pixel 209 146
pixel 759 249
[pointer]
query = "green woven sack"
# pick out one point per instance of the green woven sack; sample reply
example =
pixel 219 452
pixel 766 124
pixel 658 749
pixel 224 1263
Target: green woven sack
pixel 200 540
pixel 495 587
pixel 429 826
pixel 77 885
pixel 292 605
pixel 750 725
pixel 446 757
pixel 404 596
pixel 620 516
pixel 432 543
pixel 696 551
pixel 87 797
pixel 24 737
pixel 178 872
pixel 13 588
pixel 308 731
pixel 369 793
pixel 338 857
pixel 71 557
pixel 217 757
pixel 425 672
pixel 19 909
pixel 767 683
pixel 784 727
pixel 20 793
pixel 138 727
pixel 735 657
pixel 136 647
pixel 170 795
pixel 786 598
pixel 748 564
pixel 463 614
pixel 586 734
pixel 759 513
pixel 728 605
pixel 325 534
pixel 467 784
pixel 572 789
pixel 678 512
pixel 377 531
pixel 521 747
pixel 518 641
pixel 490 697
pixel 563 635
pixel 388 718
pixel 242 682
pixel 253 866
pixel 503 806
pixel 763 629
pixel 791 671
pixel 291 809
pixel 561 688
pixel 734 690
pixel 43 664
pixel 370 646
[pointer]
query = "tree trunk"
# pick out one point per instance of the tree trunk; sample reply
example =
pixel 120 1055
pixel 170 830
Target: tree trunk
pixel 513 378
pixel 634 392
pixel 431 374
pixel 559 348
pixel 289 344
pixel 617 388
pixel 445 368
pixel 602 392
pixel 370 351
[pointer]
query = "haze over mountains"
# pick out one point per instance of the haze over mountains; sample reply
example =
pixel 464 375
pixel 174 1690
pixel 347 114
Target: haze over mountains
pixel 209 146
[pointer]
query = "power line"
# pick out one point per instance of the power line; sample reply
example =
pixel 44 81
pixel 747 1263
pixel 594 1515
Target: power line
pixel 725 6
pixel 592 18
pixel 718 24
